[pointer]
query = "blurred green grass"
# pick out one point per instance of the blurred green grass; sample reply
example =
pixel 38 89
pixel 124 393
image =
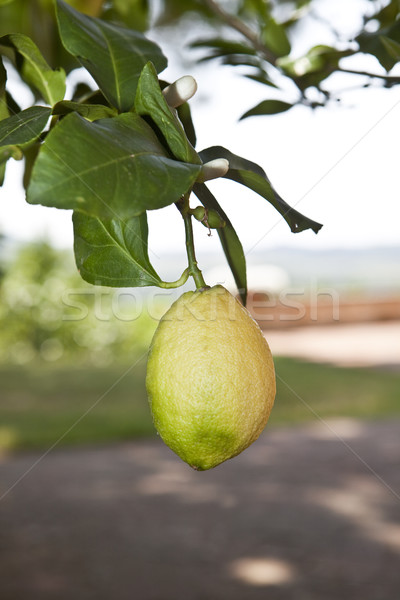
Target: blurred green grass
pixel 41 403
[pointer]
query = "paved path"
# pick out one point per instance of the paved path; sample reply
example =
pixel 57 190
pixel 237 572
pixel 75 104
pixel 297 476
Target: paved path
pixel 311 513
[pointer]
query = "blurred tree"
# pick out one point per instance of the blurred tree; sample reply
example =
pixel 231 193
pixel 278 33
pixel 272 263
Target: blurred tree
pixel 257 35
pixel 48 312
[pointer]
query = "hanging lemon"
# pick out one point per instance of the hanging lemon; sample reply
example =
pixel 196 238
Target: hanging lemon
pixel 210 378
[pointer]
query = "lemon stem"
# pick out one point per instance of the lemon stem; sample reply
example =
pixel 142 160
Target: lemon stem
pixel 193 268
pixel 174 284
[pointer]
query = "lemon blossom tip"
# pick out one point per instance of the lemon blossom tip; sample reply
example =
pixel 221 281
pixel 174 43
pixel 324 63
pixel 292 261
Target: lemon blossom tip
pixel 180 91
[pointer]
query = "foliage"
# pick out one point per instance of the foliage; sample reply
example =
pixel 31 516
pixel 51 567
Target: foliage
pixel 257 36
pixel 48 313
pixel 117 152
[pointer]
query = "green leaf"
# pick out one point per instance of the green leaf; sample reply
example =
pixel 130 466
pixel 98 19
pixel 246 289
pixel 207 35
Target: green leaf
pixel 387 15
pixel 315 66
pixel 3 164
pixel 274 37
pixel 224 47
pixel 253 176
pixel 133 13
pixel 113 55
pixel 91 112
pixel 391 47
pixel 236 60
pixel 24 127
pixel 113 252
pixel 267 107
pixel 261 78
pixel 109 168
pixel 30 156
pixel 150 102
pixel 34 69
pixel 230 242
pixel 4 112
pixel 185 116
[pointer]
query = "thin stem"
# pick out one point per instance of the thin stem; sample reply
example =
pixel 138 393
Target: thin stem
pixel 194 270
pixel 388 78
pixel 242 28
pixel 174 284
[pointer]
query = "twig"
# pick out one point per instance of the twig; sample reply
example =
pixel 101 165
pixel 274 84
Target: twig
pixel 387 78
pixel 242 28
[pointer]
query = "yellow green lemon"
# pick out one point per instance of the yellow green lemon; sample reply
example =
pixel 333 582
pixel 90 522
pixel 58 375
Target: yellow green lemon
pixel 210 378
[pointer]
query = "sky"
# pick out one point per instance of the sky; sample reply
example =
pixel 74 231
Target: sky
pixel 337 165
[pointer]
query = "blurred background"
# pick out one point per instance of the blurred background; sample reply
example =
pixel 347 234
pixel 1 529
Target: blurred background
pixel 92 504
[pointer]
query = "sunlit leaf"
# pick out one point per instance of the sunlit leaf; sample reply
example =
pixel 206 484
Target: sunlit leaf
pixel 230 242
pixel 109 168
pixel 253 176
pixel 34 69
pixel 315 66
pixel 113 252
pixel 113 55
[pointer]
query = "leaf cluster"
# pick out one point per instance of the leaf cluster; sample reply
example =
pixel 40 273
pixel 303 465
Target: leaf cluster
pixel 114 153
pixel 257 35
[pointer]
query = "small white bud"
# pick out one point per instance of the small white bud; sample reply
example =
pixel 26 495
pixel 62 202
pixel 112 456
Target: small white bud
pixel 181 91
pixel 213 169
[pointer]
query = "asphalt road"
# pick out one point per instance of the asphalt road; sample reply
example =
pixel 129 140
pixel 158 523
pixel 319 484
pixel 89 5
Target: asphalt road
pixel 310 513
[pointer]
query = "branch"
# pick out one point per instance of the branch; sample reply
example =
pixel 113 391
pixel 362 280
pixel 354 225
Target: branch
pixel 242 28
pixel 387 78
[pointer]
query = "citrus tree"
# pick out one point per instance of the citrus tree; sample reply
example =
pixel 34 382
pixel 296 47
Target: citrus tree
pixel 113 153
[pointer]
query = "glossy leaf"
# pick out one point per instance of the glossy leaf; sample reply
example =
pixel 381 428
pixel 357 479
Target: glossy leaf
pixel 24 127
pixel 109 168
pixel 230 242
pixel 253 176
pixel 150 102
pixel 91 112
pixel 34 69
pixel 267 107
pixel 113 55
pixel 113 252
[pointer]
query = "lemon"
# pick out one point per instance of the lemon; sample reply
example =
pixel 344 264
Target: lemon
pixel 210 378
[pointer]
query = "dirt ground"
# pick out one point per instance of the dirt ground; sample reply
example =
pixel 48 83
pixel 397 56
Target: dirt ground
pixel 310 513
pixel 307 513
